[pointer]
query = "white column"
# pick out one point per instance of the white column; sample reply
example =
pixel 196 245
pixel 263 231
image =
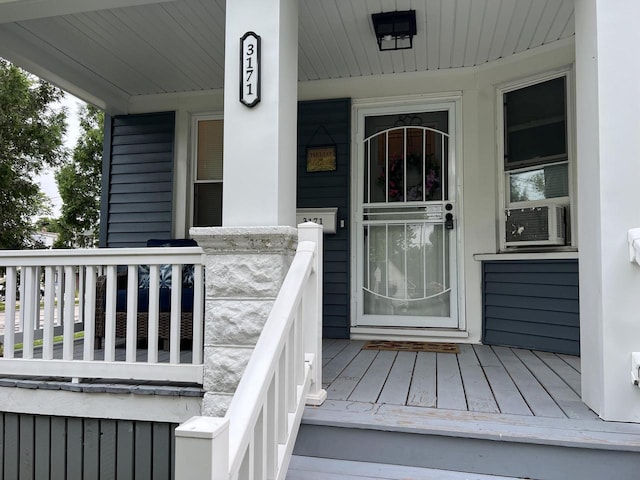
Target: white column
pixel 608 164
pixel 260 142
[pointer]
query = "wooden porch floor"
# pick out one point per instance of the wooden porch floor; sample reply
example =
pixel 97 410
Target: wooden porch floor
pixel 120 353
pixel 486 410
pixel 480 378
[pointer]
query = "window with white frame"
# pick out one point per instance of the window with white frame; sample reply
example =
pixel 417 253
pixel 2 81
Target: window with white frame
pixel 207 175
pixel 536 164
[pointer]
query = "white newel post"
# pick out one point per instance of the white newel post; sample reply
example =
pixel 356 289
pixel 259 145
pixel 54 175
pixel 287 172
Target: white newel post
pixel 202 449
pixel 608 165
pixel 245 267
pixel 313 313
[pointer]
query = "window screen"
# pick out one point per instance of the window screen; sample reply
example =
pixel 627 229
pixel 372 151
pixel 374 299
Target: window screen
pixel 207 188
pixel 535 124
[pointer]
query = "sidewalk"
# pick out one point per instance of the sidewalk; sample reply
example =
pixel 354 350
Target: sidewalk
pixel 17 321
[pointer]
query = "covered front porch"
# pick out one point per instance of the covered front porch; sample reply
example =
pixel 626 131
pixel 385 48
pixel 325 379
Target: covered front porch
pixel 473 80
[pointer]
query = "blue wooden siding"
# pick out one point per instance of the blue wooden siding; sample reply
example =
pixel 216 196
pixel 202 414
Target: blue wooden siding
pixel 322 123
pixel 532 304
pixel 137 198
pixel 36 447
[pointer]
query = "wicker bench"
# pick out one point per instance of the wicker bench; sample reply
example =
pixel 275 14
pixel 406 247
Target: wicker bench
pixel 142 321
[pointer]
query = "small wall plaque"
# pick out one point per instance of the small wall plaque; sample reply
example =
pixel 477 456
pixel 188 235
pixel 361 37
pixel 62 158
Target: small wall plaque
pixel 321 159
pixel 322 216
pixel 250 69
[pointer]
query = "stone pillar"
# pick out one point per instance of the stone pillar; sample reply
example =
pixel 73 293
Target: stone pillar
pixel 260 142
pixel 607 93
pixel 245 268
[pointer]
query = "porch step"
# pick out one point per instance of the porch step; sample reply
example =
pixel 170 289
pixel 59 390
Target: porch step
pixel 312 468
pixel 477 443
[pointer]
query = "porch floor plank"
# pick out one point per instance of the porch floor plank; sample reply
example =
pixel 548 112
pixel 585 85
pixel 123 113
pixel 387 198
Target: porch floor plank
pixel 506 393
pixel 537 398
pixel 478 393
pixel 396 388
pixel 481 378
pixel 571 360
pixel 120 353
pixel 330 348
pixel 564 396
pixel 450 392
pixel 343 386
pixel 338 363
pixel 561 368
pixel 372 382
pixel 422 392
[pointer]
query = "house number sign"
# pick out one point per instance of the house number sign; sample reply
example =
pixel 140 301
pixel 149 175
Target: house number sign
pixel 250 69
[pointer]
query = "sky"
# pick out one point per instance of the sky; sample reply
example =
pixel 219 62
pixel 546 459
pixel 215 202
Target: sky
pixel 47 180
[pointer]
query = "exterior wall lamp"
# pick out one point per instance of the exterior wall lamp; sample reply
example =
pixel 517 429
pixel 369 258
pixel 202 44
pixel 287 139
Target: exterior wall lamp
pixel 394 30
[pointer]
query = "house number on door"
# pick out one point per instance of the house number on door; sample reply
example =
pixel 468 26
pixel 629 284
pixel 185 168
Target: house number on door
pixel 250 69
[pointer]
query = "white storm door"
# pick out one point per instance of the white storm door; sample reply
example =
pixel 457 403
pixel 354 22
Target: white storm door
pixel 406 222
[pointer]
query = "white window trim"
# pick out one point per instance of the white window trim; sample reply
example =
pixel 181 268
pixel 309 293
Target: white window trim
pixel 193 160
pixel 502 202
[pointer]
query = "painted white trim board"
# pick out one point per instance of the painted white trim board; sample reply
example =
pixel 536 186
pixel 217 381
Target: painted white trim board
pixel 152 408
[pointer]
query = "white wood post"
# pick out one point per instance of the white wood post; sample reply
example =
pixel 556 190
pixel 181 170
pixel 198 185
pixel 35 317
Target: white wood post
pixel 49 308
pixel 10 312
pixel 312 313
pixel 607 96
pixel 260 142
pixel 202 449
pixel 27 308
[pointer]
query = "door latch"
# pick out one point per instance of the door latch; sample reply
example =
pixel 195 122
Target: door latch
pixel 448 221
pixel 448 218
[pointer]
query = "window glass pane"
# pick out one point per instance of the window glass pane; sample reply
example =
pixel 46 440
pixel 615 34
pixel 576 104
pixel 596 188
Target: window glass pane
pixel 405 270
pixel 545 182
pixel 210 134
pixel 535 124
pixel 421 176
pixel 207 205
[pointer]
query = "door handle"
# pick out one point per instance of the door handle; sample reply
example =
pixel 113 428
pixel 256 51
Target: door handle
pixel 448 218
pixel 448 221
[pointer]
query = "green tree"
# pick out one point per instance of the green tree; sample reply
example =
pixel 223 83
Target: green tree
pixel 31 133
pixel 79 184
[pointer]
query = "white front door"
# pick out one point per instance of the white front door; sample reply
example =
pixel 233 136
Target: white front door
pixel 406 219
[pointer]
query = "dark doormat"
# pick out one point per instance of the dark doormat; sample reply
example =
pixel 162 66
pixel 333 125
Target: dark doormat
pixel 412 346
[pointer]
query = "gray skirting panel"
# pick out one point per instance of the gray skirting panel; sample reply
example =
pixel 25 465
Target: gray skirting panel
pixel 42 447
pixel 532 304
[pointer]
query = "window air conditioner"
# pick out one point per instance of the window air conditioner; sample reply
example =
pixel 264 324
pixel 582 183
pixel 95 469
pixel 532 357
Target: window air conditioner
pixel 542 225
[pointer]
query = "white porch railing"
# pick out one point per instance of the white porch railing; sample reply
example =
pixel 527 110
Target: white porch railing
pixel 68 279
pixel 255 438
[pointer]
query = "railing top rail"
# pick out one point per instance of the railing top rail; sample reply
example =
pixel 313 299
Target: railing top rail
pixel 255 380
pixel 103 256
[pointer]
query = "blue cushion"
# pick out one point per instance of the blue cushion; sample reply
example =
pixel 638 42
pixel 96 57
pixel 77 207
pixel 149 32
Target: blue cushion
pixel 165 300
pixel 165 281
pixel 165 270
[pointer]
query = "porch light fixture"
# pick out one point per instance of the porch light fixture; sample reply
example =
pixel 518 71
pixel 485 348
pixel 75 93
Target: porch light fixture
pixel 394 30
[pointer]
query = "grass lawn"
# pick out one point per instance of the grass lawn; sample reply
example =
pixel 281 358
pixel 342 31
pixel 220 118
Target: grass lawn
pixel 38 343
pixel 77 301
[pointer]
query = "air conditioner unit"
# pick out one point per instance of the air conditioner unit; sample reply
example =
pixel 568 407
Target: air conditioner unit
pixel 541 225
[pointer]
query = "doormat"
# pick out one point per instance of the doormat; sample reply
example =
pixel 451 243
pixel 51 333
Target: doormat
pixel 412 346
